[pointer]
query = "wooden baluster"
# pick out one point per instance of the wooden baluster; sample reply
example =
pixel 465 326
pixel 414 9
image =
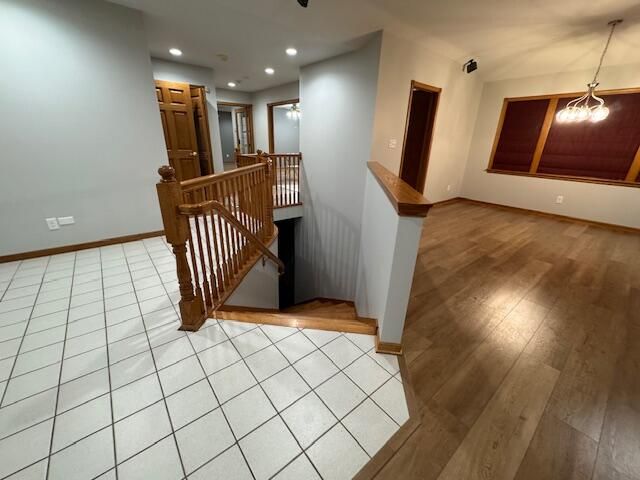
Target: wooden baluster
pixel 223 264
pixel 224 228
pixel 208 297
pixel 298 172
pixel 237 212
pixel 233 234
pixel 289 191
pixel 212 268
pixel 216 267
pixel 269 200
pixel 176 229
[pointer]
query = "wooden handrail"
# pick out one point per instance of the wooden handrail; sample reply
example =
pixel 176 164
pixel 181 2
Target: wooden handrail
pixel 199 182
pixel 209 205
pixel 405 200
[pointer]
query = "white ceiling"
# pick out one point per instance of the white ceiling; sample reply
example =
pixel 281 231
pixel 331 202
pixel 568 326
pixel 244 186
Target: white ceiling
pixel 509 38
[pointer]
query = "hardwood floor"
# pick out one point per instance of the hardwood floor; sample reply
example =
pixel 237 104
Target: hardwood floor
pixel 522 344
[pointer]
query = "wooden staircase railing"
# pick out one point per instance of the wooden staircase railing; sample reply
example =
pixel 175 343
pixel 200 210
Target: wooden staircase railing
pixel 219 226
pixel 286 175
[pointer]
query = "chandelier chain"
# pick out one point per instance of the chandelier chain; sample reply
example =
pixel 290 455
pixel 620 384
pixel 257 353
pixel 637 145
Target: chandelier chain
pixel 614 24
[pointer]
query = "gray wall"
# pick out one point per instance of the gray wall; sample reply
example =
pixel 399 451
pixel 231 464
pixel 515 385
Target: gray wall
pixel 226 136
pixel 286 132
pixel 195 75
pixel 81 132
pixel 338 104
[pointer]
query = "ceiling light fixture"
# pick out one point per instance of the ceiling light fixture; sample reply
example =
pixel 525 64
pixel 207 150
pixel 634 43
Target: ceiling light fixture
pixel 292 52
pixel 231 84
pixel 269 71
pixel 578 109
pixel 176 52
pixel 293 112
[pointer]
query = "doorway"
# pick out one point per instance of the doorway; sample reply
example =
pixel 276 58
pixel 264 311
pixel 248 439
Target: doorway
pixel 185 124
pixel 284 123
pixel 421 116
pixel 236 131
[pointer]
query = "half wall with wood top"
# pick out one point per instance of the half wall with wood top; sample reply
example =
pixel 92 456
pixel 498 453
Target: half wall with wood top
pixel 392 221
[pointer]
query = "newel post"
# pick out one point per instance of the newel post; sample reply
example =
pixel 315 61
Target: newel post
pixel 176 229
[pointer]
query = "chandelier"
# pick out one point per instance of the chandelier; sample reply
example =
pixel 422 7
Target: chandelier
pixel 294 112
pixel 581 109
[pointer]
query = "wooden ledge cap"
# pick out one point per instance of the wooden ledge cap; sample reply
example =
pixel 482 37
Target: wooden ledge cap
pixel 406 201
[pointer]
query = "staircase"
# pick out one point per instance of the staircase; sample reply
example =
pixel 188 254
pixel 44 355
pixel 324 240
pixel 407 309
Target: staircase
pixel 319 314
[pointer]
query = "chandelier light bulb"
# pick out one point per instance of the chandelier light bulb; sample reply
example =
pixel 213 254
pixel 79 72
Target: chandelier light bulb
pixel 599 113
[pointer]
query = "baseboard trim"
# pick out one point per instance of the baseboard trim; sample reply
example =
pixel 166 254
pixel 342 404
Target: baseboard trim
pixel 566 218
pixel 79 246
pixel 387 347
pixel 441 203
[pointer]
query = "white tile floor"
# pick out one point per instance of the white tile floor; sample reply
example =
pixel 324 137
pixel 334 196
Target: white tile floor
pixel 97 382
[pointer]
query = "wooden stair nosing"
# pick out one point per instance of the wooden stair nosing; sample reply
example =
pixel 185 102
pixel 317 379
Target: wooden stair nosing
pixel 367 326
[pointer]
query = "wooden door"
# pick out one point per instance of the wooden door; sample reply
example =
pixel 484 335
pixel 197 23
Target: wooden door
pixel 201 120
pixel 421 117
pixel 176 112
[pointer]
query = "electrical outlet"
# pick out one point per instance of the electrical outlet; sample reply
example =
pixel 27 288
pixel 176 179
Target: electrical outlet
pixel 392 143
pixel 52 223
pixel 66 221
pixel 448 188
pixel 559 199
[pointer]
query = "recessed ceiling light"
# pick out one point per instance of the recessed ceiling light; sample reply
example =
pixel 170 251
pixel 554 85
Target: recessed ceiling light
pixel 176 52
pixel 269 71
pixel 231 84
pixel 292 52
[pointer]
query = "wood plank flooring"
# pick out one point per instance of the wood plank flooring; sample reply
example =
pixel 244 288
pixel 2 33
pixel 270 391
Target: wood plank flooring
pixel 522 344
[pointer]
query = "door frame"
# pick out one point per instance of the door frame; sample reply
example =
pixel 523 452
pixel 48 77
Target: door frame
pixel 270 121
pixel 249 107
pixel 415 85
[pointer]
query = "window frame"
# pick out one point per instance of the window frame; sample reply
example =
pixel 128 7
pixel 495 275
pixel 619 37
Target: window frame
pixel 634 169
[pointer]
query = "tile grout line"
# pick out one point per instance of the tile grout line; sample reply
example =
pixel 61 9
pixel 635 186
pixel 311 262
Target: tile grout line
pixel 155 366
pixel 55 410
pixel 15 360
pixel 106 347
pixel 214 394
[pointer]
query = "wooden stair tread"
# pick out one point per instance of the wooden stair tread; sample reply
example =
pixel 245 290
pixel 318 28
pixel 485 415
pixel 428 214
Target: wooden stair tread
pixel 352 325
pixel 327 308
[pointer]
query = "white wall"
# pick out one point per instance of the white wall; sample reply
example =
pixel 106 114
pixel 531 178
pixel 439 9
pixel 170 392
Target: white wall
pixel 388 250
pixel 233 96
pixel 260 288
pixel 260 100
pixel 338 104
pixel 603 203
pixel 400 62
pixel 81 133
pixel 286 132
pixel 195 75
